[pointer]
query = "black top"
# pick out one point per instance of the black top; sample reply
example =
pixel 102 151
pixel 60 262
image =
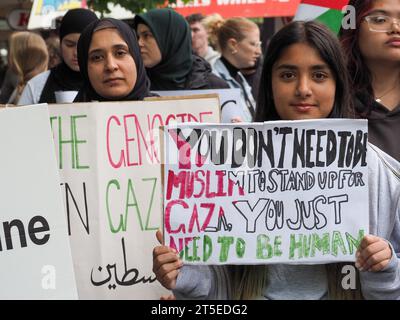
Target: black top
pixel 233 71
pixel 383 125
pixel 61 78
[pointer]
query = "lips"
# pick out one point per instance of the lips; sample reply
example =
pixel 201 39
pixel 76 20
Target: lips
pixel 303 107
pixel 112 80
pixel 394 42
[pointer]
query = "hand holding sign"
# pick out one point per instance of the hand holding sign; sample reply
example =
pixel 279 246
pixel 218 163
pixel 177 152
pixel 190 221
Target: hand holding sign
pixel 166 264
pixel 373 254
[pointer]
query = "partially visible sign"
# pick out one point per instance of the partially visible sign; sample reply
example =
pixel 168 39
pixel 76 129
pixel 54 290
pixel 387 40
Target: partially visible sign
pixel 239 8
pixel 229 100
pixel 35 254
pixel 44 12
pixel 110 166
pixel 18 19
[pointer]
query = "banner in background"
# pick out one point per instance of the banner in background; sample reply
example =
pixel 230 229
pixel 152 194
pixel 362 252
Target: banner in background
pixel 239 8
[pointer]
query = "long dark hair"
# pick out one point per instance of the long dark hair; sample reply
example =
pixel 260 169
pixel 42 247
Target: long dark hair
pixel 327 45
pixel 361 77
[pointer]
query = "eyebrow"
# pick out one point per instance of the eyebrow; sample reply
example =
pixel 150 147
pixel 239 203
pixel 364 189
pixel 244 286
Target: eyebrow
pixel 116 46
pixel 383 12
pixel 294 67
pixel 378 11
pixel 144 32
pixel 70 41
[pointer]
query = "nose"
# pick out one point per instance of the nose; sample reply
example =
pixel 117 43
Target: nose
pixel 303 89
pixel 140 42
pixel 110 63
pixel 395 26
pixel 258 51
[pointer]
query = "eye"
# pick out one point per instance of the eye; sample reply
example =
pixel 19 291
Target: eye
pixel 96 58
pixel 379 19
pixel 121 53
pixel 146 35
pixel 287 75
pixel 320 76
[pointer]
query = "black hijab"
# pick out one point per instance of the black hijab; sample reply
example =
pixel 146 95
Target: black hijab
pixel 142 85
pixel 62 77
pixel 174 40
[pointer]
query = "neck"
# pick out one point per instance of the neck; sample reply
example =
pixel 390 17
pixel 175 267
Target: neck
pixel 233 70
pixel 202 51
pixel 384 75
pixel 230 58
pixel 386 83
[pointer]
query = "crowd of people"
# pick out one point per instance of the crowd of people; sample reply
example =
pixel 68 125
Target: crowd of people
pixel 306 73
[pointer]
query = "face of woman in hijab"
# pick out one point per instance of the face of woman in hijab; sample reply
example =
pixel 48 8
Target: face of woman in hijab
pixel 68 50
pixel 111 68
pixel 149 49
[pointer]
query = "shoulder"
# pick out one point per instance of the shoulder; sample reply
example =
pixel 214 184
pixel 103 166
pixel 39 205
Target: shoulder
pixel 217 82
pixel 379 159
pixel 201 76
pixel 33 89
pixel 39 79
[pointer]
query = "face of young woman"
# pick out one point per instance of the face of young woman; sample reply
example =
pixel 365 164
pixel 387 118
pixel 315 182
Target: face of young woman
pixel 112 70
pixel 248 50
pixel 385 45
pixel 149 49
pixel 303 85
pixel 69 50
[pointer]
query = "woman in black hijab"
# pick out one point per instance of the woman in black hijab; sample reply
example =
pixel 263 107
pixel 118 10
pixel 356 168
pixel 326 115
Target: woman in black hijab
pixel 166 46
pixel 66 75
pixel 110 63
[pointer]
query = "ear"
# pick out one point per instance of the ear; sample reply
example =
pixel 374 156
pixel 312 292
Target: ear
pixel 232 45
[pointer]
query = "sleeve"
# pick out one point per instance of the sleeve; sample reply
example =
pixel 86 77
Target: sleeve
pixel 202 282
pixel 385 203
pixel 383 285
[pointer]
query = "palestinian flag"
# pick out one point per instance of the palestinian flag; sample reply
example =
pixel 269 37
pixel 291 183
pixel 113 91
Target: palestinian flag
pixel 328 12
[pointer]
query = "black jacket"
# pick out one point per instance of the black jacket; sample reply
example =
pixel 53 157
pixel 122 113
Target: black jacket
pixel 201 76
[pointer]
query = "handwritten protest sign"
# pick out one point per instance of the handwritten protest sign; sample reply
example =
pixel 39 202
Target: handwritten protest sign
pixel 109 159
pixel 229 100
pixel 35 255
pixel 279 192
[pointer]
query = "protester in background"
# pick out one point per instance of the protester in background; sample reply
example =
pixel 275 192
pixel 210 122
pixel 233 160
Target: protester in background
pixel 166 48
pixel 110 63
pixel 304 77
pixel 373 51
pixel 240 46
pixel 209 22
pixel 28 57
pixel 65 78
pixel 53 47
pixel 200 39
